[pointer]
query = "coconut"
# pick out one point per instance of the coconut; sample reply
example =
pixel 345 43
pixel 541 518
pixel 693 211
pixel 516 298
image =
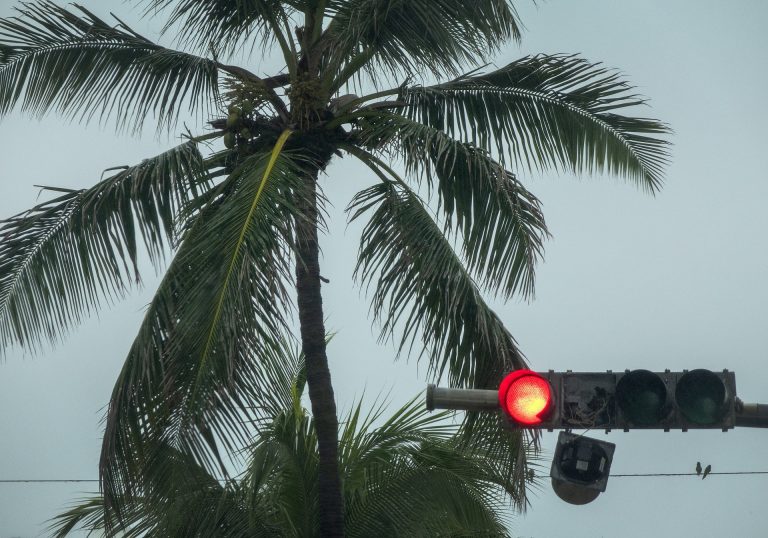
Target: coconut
pixel 247 107
pixel 233 120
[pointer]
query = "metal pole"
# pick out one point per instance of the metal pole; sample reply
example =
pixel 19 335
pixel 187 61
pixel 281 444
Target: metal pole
pixel 466 399
pixel 751 415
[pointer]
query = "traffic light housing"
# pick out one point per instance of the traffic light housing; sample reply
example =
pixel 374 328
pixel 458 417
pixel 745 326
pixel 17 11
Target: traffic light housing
pixel 637 399
pixel 580 467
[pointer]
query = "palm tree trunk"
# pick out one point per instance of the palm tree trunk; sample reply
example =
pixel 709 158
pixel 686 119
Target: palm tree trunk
pixel 310 305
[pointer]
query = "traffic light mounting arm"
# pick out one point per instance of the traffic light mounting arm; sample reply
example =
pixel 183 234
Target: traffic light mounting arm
pixel 751 415
pixel 463 399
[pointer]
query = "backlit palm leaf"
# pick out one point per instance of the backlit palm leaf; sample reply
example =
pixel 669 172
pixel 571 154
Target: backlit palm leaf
pixel 507 451
pixel 501 224
pixel 411 477
pixel 178 498
pixel 80 65
pixel 60 258
pixel 195 368
pixel 422 287
pixel 548 112
pixel 224 24
pixel 409 37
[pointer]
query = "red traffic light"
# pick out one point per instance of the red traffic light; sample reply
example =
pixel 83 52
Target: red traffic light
pixel 526 397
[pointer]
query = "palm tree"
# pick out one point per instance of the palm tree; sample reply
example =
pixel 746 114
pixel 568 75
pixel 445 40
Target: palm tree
pixel 243 221
pixel 414 475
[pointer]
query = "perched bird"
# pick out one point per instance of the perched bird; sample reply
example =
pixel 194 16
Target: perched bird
pixel 707 470
pixel 698 468
pixel 341 101
pixel 531 475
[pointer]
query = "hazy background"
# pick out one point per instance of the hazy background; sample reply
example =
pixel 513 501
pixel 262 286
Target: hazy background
pixel 629 281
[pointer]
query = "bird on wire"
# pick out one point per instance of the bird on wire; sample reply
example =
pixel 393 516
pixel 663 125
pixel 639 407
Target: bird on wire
pixel 707 470
pixel 698 468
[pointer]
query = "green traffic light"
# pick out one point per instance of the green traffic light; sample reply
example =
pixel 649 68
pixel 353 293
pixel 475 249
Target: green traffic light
pixel 642 397
pixel 701 397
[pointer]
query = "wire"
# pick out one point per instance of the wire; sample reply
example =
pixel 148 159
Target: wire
pixel 61 481
pixel 48 481
pixel 56 480
pixel 686 474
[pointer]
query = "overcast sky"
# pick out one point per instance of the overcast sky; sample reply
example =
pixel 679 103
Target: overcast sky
pixel 629 280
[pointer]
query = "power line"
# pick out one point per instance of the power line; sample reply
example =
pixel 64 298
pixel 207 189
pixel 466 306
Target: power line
pixel 687 474
pixel 55 480
pixel 45 481
pixel 93 480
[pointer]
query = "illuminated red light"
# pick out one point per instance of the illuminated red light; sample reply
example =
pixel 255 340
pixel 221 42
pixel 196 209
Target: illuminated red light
pixel 526 397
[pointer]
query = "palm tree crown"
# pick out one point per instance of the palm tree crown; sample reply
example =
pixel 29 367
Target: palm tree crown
pixel 243 221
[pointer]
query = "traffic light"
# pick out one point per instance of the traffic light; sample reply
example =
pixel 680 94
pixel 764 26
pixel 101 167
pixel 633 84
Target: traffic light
pixel 637 399
pixel 580 467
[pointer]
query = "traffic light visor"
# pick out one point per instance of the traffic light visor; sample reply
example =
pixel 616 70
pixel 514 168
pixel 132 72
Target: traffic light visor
pixel 526 397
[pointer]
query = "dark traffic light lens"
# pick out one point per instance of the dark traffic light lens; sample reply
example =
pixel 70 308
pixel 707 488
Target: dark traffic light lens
pixel 701 397
pixel 642 397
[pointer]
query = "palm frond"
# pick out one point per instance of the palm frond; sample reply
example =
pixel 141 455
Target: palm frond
pixel 196 367
pixel 283 381
pixel 87 514
pixel 282 476
pixel 409 477
pixel 178 498
pixel 501 224
pixel 423 499
pixel 548 112
pixel 279 494
pixel 80 65
pixel 422 286
pixel 409 37
pixel 510 453
pixel 225 25
pixel 62 257
pixel 362 445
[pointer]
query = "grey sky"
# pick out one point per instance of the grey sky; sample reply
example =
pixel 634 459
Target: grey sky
pixel 629 281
